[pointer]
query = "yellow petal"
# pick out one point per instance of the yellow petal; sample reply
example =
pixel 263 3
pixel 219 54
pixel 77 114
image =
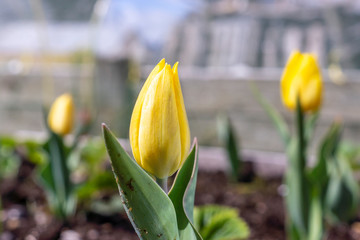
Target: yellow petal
pixel 183 120
pixel 302 78
pixel 311 95
pixel 289 81
pixel 159 131
pixel 61 115
pixel 136 115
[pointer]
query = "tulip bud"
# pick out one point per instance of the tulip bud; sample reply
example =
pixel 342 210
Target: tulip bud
pixel 302 79
pixel 159 129
pixel 61 115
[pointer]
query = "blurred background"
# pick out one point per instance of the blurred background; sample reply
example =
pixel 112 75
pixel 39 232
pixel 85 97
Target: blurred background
pixel 101 51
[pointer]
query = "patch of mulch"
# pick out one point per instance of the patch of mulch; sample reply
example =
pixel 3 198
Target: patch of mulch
pixel 258 202
pixel 25 215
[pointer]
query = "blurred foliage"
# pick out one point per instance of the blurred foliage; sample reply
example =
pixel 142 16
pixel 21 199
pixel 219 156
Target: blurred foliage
pixel 34 152
pixel 229 141
pixel 326 191
pixel 90 172
pixel 95 185
pixel 107 206
pixel 216 222
pixel 87 165
pixel 343 195
pixel 351 152
pixel 9 159
pixel 54 176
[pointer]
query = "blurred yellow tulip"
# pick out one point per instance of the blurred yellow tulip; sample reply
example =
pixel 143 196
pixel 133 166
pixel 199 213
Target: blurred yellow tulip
pixel 61 115
pixel 159 129
pixel 302 79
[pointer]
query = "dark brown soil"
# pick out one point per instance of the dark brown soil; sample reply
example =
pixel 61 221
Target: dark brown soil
pixel 258 202
pixel 25 215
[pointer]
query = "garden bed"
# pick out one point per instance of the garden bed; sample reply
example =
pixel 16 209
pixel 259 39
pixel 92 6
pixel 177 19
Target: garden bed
pixel 25 215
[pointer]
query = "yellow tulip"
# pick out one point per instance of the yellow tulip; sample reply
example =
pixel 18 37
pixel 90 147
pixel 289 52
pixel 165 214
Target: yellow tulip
pixel 302 79
pixel 159 129
pixel 61 115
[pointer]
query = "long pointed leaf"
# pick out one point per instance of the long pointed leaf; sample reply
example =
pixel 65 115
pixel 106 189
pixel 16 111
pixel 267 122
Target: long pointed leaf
pixel 328 146
pixel 56 177
pixel 229 139
pixel 316 227
pixel 342 197
pixel 310 123
pixel 150 210
pixel 277 119
pixel 182 195
pixel 297 199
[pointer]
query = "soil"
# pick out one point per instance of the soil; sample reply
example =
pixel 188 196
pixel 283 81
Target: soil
pixel 25 215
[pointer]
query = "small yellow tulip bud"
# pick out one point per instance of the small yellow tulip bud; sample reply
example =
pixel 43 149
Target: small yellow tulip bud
pixel 159 129
pixel 302 79
pixel 61 115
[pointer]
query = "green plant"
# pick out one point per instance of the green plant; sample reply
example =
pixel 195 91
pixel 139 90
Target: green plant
pixel 96 190
pixel 9 160
pixel 89 171
pixel 54 174
pixel 153 213
pixel 216 222
pixel 327 190
pixel 229 140
pixel 342 196
pixel 160 142
pixel 351 152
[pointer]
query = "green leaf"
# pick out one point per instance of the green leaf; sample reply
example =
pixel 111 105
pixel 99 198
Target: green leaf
pixel 55 176
pixel 9 159
pixel 93 153
pixel 300 127
pixel 83 129
pixel 310 123
pixel 352 184
pixel 35 152
pixel 103 181
pixel 293 232
pixel 107 207
pixel 46 178
pixel 182 195
pixel 316 227
pixel 8 141
pixel 327 151
pixel 298 199
pixel 227 135
pixel 150 210
pixel 277 119
pixel 319 177
pixel 342 196
pixel 338 198
pixel 216 222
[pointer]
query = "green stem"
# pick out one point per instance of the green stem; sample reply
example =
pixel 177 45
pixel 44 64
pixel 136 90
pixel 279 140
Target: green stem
pixel 297 180
pixel 301 135
pixel 163 184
